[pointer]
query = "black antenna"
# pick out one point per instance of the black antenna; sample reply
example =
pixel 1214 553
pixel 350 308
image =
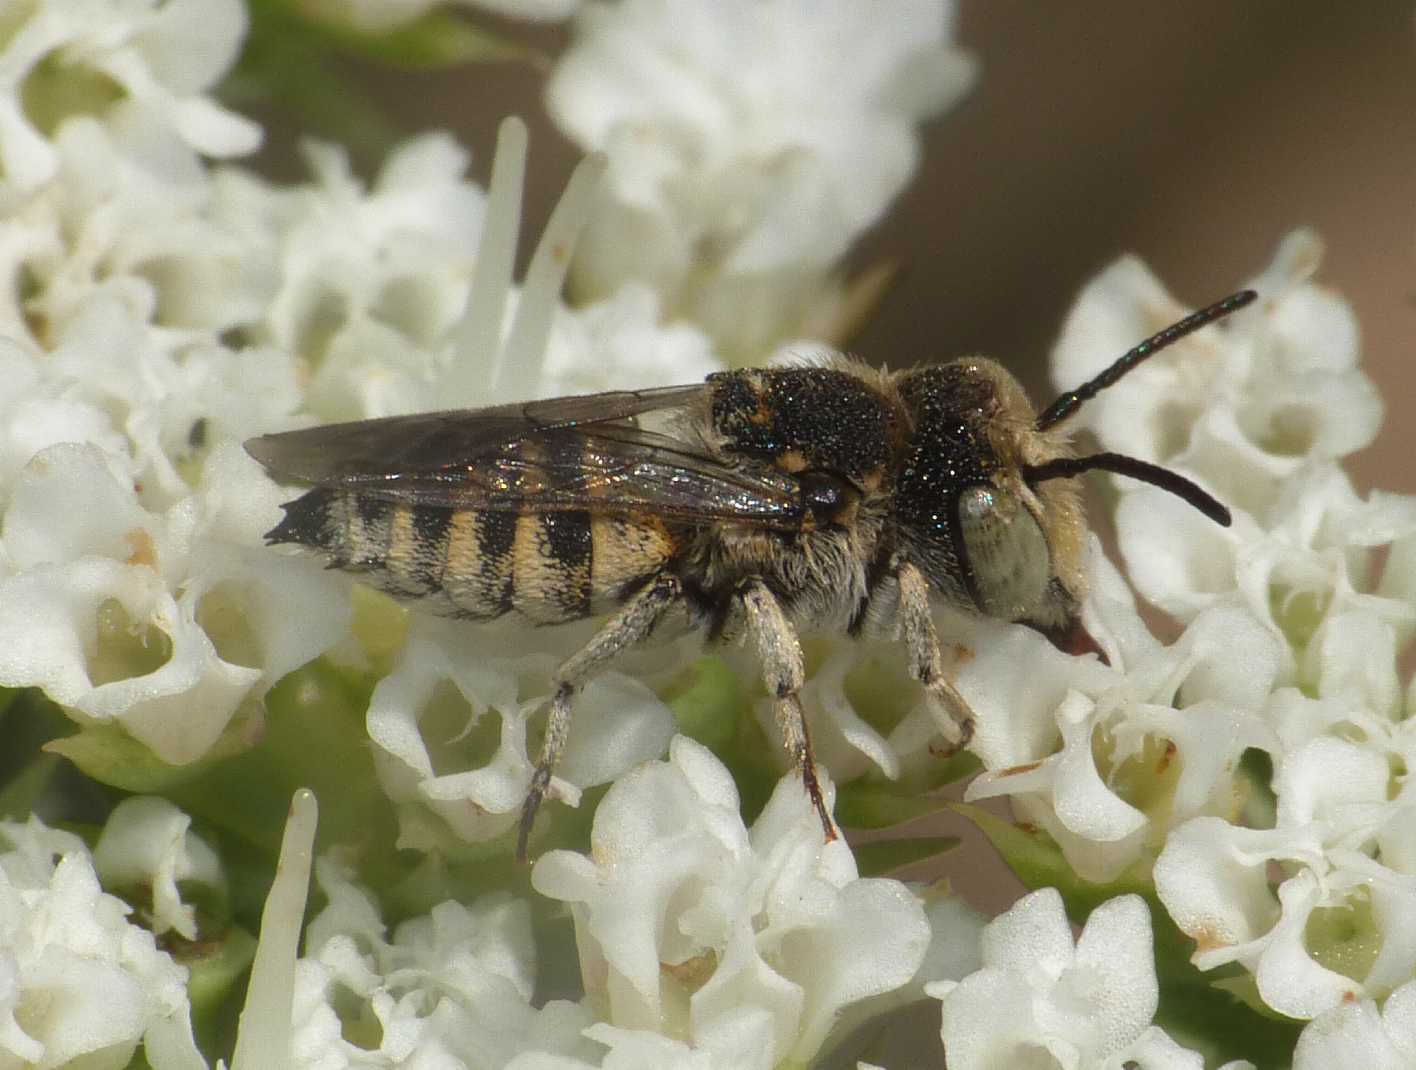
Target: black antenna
pixel 1070 402
pixel 1164 478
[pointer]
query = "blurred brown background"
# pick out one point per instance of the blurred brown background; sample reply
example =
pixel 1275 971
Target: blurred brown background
pixel 1195 134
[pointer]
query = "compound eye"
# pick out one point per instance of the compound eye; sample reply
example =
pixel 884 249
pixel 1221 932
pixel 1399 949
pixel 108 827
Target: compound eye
pixel 827 496
pixel 1006 552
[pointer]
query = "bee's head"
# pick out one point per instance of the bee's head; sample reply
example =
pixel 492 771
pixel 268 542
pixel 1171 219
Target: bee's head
pixel 982 501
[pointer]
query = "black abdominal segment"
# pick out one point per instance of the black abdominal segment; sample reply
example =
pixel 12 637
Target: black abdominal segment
pixel 550 566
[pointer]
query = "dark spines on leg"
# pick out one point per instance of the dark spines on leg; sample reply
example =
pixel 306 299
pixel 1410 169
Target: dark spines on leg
pixel 568 549
pixel 307 520
pixel 805 418
pixel 496 540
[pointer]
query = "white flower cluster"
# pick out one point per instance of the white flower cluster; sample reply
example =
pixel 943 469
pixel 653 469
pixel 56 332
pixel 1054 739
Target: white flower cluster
pixel 80 984
pixel 702 945
pixel 750 142
pixel 1039 1001
pixel 752 944
pixel 619 723
pixel 139 65
pixel 451 988
pixel 156 310
pixel 1293 629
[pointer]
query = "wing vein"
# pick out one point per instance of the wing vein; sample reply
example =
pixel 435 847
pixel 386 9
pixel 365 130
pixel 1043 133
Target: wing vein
pixel 583 452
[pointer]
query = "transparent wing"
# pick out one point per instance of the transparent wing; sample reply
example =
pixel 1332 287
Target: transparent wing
pixel 431 440
pixel 582 452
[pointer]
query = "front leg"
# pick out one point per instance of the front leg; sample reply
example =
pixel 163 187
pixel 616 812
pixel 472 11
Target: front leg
pixel 926 664
pixel 783 671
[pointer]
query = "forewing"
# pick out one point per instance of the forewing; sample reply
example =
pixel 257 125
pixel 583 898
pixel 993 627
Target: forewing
pixel 565 453
pixel 366 449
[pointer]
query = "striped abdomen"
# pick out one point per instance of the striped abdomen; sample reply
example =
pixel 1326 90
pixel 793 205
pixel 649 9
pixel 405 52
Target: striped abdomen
pixel 550 567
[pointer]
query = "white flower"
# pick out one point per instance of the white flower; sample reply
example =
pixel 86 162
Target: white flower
pixel 1260 410
pixel 1210 879
pixel 426 764
pixel 154 529
pixel 1337 813
pixel 148 843
pixel 156 311
pixel 451 988
pixel 121 280
pixel 1109 758
pixel 146 230
pixel 1357 1033
pixel 848 735
pixel 34 416
pixel 78 982
pixel 751 946
pixel 84 548
pixel 139 65
pixel 749 143
pixel 157 387
pixel 1039 1001
pixel 1342 838
pixel 371 282
pixel 102 609
pixel 620 341
pixel 373 291
pixel 1257 410
pixel 1340 848
pixel 1243 406
pixel 1311 560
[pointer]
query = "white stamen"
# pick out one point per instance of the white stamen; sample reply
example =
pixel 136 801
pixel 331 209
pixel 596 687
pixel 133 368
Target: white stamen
pixel 522 359
pixel 263 1037
pixel 477 338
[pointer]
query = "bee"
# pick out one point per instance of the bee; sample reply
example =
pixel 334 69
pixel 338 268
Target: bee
pixel 757 502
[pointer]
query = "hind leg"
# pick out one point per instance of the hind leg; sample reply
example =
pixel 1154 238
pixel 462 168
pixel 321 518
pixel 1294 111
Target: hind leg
pixel 633 623
pixel 779 653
